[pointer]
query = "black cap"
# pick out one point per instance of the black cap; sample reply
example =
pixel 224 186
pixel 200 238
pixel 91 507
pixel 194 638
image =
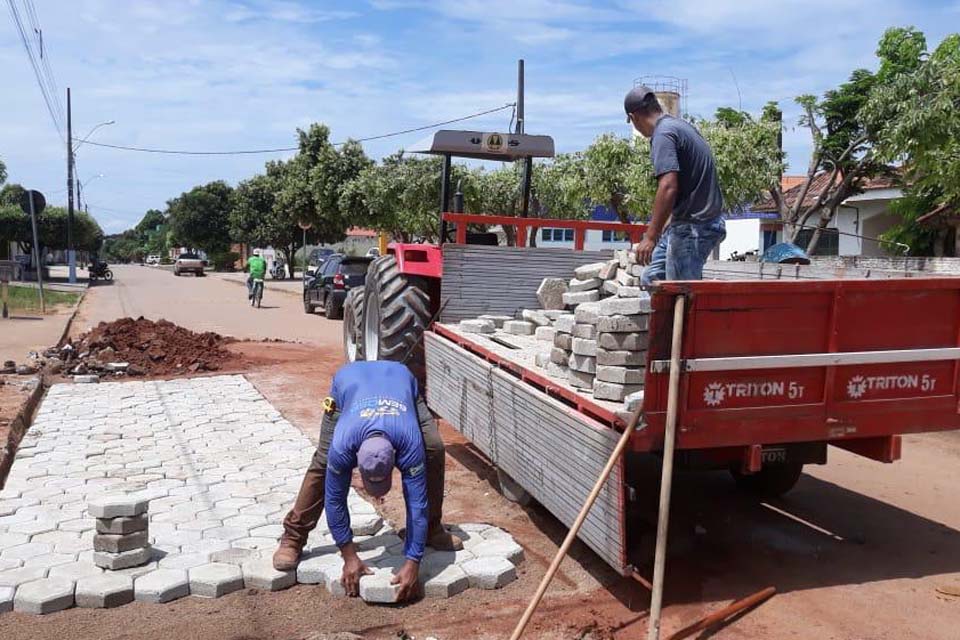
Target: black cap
pixel 638 98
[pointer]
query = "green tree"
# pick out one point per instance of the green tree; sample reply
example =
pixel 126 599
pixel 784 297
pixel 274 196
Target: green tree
pixel 199 218
pixel 11 194
pixel 915 119
pixel 3 172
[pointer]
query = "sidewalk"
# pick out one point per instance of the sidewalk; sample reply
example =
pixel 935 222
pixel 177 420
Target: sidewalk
pixel 21 334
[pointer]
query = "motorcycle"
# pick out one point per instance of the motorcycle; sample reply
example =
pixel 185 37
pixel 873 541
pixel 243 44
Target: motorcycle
pixel 100 271
pixel 278 272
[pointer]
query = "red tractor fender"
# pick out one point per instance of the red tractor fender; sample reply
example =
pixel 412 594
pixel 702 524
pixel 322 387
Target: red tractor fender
pixel 425 260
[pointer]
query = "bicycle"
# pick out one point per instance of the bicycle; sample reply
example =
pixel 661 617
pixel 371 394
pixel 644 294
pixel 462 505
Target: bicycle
pixel 257 293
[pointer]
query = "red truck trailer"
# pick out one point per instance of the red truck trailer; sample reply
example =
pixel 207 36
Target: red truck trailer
pixel 778 362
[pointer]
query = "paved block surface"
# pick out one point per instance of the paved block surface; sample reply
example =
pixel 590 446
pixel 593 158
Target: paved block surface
pixel 215 579
pixel 104 591
pixel 162 585
pixel 6 599
pixel 44 596
pixel 377 587
pixel 444 582
pixel 260 574
pixel 489 572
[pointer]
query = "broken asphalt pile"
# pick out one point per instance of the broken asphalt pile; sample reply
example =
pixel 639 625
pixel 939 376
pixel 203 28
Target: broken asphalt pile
pixel 141 347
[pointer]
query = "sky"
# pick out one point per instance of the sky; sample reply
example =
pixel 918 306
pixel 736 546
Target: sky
pixel 244 74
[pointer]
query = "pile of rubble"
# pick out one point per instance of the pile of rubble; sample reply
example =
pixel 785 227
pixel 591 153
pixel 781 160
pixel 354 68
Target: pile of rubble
pixel 141 347
pixel 595 326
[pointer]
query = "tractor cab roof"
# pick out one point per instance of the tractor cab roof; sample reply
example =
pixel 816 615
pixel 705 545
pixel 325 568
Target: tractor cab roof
pixel 482 145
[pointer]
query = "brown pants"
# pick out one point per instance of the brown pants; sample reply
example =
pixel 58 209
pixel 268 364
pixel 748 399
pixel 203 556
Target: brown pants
pixel 306 511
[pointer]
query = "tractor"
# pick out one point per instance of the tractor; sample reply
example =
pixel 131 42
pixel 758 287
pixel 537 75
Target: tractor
pixel 384 320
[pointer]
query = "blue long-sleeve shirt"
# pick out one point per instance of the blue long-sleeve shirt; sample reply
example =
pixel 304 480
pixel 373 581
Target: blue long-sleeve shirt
pixel 377 397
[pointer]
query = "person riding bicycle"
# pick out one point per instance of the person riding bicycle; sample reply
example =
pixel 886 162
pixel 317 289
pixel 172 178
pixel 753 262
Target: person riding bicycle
pixel 257 267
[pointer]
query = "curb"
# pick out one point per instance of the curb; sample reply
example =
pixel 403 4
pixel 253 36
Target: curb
pixel 19 427
pixel 76 310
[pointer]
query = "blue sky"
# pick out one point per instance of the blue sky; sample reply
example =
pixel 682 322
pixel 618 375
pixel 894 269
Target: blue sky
pixel 240 74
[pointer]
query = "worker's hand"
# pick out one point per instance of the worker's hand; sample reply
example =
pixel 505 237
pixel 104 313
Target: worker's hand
pixel 408 579
pixel 353 570
pixel 645 250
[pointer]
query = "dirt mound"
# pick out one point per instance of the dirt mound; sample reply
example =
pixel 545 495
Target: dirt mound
pixel 143 347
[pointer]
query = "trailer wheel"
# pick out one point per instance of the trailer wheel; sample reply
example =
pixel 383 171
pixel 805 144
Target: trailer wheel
pixel 772 481
pixel 395 315
pixel 353 325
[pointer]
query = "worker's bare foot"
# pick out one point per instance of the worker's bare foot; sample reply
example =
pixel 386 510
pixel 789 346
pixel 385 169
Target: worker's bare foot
pixel 442 540
pixel 287 556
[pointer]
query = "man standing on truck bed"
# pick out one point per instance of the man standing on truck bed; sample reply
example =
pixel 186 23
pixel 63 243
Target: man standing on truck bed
pixel 688 193
pixel 374 420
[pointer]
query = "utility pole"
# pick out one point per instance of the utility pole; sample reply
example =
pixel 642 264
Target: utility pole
pixel 520 122
pixel 71 254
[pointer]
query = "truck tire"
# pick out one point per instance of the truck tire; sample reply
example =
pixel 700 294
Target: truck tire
pixel 396 311
pixel 772 481
pixel 353 325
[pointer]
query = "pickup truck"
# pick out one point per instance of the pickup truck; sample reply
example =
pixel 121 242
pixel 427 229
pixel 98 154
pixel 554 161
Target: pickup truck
pixel 189 262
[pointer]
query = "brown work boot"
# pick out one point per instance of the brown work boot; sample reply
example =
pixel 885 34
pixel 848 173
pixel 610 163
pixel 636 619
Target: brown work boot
pixel 442 540
pixel 287 555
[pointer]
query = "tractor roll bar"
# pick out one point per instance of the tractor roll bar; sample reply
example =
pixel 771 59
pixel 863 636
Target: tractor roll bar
pixel 523 225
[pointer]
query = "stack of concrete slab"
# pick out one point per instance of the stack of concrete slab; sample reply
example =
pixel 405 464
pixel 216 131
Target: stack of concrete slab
pixel 122 538
pixel 594 326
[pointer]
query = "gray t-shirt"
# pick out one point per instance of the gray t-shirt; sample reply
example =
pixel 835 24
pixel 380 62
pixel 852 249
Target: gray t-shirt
pixel 677 146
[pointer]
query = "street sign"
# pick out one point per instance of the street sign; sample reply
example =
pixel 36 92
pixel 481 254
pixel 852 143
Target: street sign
pixel 304 225
pixel 39 202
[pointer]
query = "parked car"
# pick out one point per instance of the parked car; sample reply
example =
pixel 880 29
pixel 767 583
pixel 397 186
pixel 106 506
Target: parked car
pixel 316 259
pixel 152 261
pixel 328 287
pixel 189 262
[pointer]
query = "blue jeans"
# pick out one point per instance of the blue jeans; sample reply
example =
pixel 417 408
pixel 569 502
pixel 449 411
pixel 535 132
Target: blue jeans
pixel 682 250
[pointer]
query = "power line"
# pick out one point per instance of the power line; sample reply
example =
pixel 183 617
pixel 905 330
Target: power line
pixel 54 111
pixel 392 134
pixel 44 56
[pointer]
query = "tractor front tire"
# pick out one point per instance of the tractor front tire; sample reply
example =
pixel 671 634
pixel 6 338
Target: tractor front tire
pixel 396 312
pixel 353 325
pixel 772 481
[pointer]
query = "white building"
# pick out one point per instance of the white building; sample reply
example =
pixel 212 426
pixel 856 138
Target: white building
pixel 865 214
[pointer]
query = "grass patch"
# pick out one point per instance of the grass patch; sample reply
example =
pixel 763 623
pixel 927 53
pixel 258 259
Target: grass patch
pixel 21 299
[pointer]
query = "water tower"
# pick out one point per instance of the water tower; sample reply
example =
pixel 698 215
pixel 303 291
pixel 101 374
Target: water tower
pixel 671 92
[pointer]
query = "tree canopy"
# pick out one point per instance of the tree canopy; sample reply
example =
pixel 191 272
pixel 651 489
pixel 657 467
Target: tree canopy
pixel 199 218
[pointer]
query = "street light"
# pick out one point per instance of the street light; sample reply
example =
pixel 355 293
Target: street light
pixel 80 186
pixel 90 133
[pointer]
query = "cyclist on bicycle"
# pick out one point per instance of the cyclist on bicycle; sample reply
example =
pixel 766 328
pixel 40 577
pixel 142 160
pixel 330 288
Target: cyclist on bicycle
pixel 257 267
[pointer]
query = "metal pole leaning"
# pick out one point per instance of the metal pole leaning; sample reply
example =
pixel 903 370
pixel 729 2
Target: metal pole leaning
pixel 666 476
pixel 575 527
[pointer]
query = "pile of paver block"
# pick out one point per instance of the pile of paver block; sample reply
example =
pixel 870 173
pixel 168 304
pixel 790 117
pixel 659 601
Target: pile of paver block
pixel 218 467
pixel 595 327
pixel 122 533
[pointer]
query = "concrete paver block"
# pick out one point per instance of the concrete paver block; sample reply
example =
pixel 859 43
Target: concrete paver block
pixel 563 341
pixel 117 505
pixel 33 528
pixel 377 587
pixel 365 524
pixel 10 563
pixel 588 313
pixel 444 583
pixel 590 284
pixel 44 596
pixel 124 560
pixel 625 279
pixel 225 533
pixel 184 561
pixel 6 599
pixel 625 306
pixel 630 292
pixel 550 293
pixel 565 323
pixel 75 570
pixel 162 585
pixel 104 591
pixel 609 270
pixel 580 379
pixel 234 556
pixel 621 375
pixel 477 326
pixel 584 346
pixel 317 569
pixel 585 364
pixel 559 356
pixel 499 547
pixel 519 327
pixel 547 334
pixel 613 391
pixel 624 341
pixel 580 297
pixel 588 331
pixel 489 572
pixel 623 323
pixel 591 270
pixel 215 579
pixel 16 577
pixel 496 319
pixel 621 358
pixel 8 540
pixel 26 551
pixel 260 574
pixel 535 316
pixel 120 543
pixel 50 560
pixel 122 525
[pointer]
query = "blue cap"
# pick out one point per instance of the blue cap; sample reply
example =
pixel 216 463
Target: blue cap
pixel 375 461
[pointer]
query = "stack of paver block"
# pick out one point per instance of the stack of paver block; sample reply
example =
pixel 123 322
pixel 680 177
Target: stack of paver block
pixel 122 538
pixel 595 327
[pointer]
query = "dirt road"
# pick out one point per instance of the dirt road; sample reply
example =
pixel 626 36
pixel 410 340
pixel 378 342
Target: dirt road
pixel 202 304
pixel 856 551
